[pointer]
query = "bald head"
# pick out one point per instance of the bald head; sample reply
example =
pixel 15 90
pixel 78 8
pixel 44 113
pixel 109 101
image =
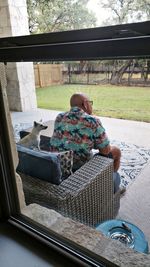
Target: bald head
pixel 82 101
pixel 77 100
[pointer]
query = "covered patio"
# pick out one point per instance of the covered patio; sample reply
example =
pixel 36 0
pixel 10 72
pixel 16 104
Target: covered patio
pixel 134 139
pixel 134 133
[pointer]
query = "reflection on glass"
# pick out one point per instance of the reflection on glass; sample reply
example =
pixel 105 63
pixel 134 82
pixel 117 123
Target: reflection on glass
pixel 53 16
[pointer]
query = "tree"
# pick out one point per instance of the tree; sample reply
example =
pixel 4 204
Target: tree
pixel 142 9
pixel 125 11
pixel 59 15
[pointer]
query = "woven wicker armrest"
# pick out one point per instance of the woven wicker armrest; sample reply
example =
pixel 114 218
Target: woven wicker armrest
pixel 86 195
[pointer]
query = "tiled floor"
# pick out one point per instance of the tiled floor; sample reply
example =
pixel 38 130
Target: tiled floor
pixel 135 204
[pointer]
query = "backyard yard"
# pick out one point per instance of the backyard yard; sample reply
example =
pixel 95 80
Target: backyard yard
pixel 132 103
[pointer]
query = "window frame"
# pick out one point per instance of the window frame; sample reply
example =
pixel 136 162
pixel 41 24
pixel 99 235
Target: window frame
pixel 113 42
pixel 133 41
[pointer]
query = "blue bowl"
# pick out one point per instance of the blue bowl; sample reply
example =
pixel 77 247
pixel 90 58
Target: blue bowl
pixel 125 232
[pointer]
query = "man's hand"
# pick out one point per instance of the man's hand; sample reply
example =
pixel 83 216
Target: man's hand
pixel 105 151
pixel 116 155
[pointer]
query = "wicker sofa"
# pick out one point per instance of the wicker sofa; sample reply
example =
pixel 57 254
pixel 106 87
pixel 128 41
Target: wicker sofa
pixel 86 195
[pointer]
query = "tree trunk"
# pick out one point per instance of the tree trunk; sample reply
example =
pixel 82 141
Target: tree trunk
pixel 117 75
pixel 114 73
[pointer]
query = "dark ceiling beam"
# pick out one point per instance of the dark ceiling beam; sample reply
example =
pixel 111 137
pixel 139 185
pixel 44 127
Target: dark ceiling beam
pixel 122 48
pixel 119 41
pixel 98 33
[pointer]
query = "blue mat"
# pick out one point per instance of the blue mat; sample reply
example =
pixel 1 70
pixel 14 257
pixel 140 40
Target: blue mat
pixel 133 160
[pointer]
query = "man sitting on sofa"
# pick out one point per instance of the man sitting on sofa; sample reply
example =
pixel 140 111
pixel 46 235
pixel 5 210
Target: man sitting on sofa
pixel 80 131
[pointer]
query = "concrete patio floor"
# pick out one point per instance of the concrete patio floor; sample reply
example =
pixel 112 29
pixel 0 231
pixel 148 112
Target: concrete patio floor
pixel 132 132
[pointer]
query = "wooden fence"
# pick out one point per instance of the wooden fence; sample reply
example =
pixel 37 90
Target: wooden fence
pixel 48 74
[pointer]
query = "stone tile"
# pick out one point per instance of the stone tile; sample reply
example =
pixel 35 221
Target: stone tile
pixel 125 257
pixel 20 192
pixel 87 237
pixel 77 232
pixel 44 216
pixel 135 204
pixel 3 16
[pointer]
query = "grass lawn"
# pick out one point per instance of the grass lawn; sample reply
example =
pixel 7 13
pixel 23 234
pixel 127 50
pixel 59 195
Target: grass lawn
pixel 132 103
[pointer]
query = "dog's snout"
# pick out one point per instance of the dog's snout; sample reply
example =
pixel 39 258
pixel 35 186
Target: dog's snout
pixel 44 127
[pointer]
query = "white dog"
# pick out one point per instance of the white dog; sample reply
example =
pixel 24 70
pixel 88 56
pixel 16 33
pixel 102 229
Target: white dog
pixel 32 140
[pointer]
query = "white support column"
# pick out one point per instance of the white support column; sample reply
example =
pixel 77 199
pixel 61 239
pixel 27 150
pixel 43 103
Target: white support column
pixel 20 76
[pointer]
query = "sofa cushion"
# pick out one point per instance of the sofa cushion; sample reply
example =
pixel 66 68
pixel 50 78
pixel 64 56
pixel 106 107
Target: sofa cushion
pixel 39 164
pixel 44 140
pixel 23 133
pixel 66 162
pixel 66 157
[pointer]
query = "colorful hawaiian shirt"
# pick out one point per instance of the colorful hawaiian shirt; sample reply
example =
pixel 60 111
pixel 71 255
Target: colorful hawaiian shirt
pixel 78 131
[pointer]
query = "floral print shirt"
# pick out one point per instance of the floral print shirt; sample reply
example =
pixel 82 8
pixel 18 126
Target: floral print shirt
pixel 80 132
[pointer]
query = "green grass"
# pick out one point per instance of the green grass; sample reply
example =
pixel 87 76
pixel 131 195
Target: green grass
pixel 132 103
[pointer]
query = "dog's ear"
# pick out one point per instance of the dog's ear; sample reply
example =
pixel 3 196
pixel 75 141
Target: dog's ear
pixel 35 123
pixel 40 120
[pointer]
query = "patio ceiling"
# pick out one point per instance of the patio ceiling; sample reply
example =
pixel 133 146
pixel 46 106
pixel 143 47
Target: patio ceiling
pixel 120 41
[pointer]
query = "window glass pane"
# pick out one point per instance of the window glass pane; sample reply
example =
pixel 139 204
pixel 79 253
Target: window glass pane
pixel 51 16
pixel 68 202
pixel 110 12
